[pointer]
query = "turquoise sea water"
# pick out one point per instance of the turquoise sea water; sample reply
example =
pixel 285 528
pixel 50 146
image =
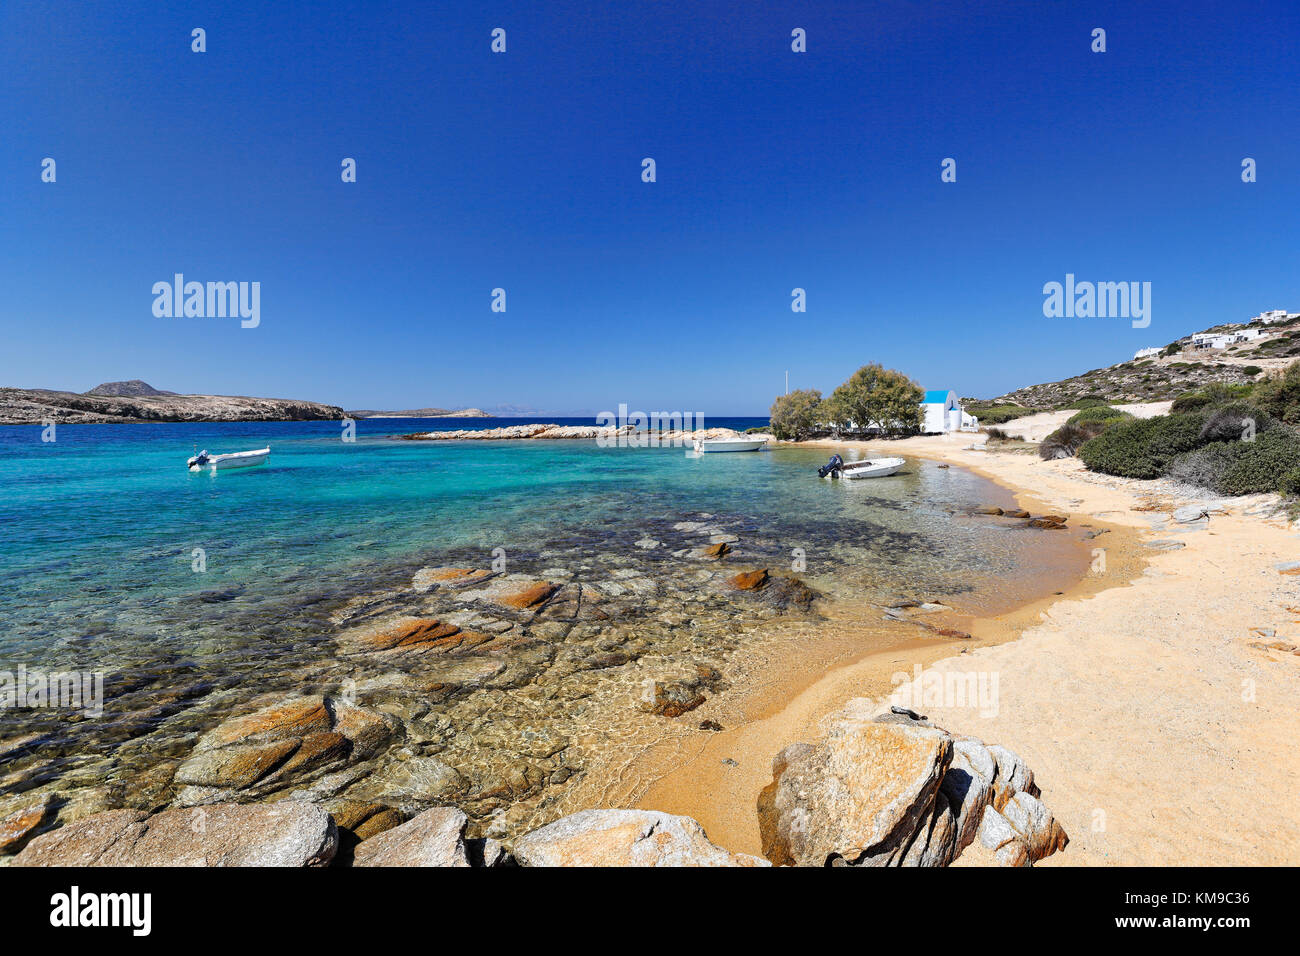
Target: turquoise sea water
pixel 99 529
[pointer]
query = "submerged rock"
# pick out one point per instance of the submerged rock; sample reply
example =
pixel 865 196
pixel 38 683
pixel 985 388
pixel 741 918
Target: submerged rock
pixel 749 580
pixel 289 743
pixel 19 826
pixel 625 838
pixel 672 698
pixel 426 579
pixel 1047 522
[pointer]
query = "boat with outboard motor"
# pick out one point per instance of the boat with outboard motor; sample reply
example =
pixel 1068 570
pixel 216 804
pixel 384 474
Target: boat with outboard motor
pixel 867 468
pixel 239 459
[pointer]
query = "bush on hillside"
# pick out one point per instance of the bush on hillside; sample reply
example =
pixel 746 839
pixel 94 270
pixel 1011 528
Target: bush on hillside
pixel 1290 484
pixel 1216 393
pixel 997 414
pixel 1098 413
pixel 1066 441
pixel 1241 467
pixel 1090 401
pixel 1142 448
pixel 1236 421
pixel 1279 395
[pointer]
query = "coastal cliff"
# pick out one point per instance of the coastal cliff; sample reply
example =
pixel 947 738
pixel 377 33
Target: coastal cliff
pixel 105 405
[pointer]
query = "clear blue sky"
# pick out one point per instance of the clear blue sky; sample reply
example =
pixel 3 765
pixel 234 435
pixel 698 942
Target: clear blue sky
pixel 776 170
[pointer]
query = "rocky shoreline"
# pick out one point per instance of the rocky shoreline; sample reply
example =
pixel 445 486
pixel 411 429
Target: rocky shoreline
pixel 890 790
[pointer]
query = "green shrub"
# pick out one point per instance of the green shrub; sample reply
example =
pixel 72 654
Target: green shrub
pixel 1098 413
pixel 997 414
pixel 1236 421
pixel 1142 448
pixel 1066 440
pixel 1290 484
pixel 1251 370
pixel 1279 395
pixel 1241 467
pixel 1216 393
pixel 1262 463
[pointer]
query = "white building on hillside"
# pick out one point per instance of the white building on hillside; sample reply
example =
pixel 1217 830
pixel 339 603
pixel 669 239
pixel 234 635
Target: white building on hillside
pixel 941 412
pixel 1221 340
pixel 1147 353
pixel 1274 316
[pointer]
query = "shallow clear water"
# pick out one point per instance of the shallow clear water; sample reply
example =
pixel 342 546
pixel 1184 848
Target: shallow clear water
pixel 100 527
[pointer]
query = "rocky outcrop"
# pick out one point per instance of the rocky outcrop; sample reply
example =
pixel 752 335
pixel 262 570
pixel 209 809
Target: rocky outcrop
pixel 288 833
pixel 289 743
pixel 24 406
pixel 625 838
pixel 896 791
pixel 434 838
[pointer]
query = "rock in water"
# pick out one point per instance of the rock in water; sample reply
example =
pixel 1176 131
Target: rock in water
pixel 861 796
pixel 19 827
pixel 288 833
pixel 749 580
pixel 434 838
pixel 625 838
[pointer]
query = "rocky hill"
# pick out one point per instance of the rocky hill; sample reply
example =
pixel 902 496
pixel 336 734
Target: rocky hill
pixel 1179 367
pixel 33 406
pixel 132 389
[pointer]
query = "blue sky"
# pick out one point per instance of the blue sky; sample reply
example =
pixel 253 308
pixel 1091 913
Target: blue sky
pixel 522 171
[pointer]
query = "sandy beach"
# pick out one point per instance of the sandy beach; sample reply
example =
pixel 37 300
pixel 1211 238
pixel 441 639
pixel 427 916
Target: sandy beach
pixel 1155 700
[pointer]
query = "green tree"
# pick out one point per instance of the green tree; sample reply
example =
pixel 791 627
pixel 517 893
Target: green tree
pixel 875 397
pixel 795 416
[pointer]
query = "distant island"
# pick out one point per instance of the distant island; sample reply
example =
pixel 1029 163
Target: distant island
pixel 135 401
pixel 421 413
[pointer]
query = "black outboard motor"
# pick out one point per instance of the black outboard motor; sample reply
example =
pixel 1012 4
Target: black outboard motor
pixel 831 468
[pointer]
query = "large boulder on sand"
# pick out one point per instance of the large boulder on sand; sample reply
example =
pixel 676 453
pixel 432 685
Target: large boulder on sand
pixel 860 796
pixel 288 833
pixel 897 791
pixel 625 838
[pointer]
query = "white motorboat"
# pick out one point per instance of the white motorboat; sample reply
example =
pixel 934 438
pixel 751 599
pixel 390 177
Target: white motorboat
pixel 867 468
pixel 703 445
pixel 239 459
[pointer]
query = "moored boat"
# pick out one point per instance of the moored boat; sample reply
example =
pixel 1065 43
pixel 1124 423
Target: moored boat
pixel 867 468
pixel 239 459
pixel 703 445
